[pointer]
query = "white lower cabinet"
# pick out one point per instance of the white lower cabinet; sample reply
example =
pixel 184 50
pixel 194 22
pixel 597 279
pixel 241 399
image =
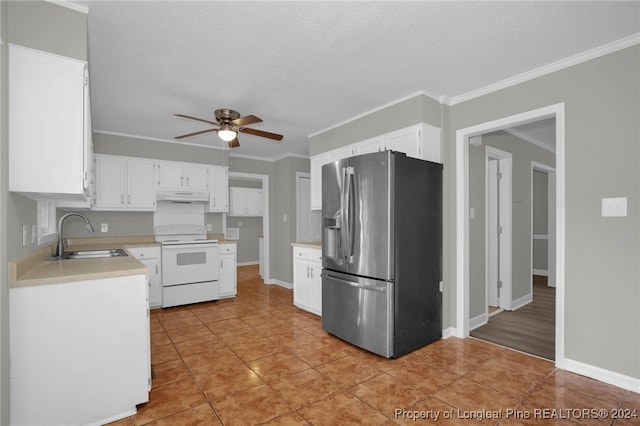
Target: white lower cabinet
pixel 80 351
pixel 307 280
pixel 228 274
pixel 151 258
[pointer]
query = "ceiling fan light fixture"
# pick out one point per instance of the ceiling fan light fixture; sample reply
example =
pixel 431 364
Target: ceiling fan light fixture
pixel 226 133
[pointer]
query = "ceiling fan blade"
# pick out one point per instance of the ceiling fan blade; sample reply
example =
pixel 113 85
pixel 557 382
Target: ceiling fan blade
pixel 261 133
pixel 195 133
pixel 247 119
pixel 234 143
pixel 215 123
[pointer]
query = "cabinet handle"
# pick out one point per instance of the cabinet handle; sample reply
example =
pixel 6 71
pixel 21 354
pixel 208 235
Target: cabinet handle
pixel 187 180
pixel 307 272
pixel 220 263
pixel 156 269
pixel 181 180
pixel 129 199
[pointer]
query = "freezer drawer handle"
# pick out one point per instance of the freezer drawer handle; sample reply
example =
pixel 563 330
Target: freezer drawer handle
pixel 356 285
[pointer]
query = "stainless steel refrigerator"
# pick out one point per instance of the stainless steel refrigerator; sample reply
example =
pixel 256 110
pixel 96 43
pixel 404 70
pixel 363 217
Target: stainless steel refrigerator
pixel 382 252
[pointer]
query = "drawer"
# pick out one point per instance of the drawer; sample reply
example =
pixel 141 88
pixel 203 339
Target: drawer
pixel 307 253
pixel 227 248
pixel 148 252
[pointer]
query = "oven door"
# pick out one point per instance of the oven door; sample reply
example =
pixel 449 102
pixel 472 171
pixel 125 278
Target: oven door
pixel 189 263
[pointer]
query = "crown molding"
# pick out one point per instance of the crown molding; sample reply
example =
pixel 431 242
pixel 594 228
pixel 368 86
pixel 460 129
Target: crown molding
pixel 548 69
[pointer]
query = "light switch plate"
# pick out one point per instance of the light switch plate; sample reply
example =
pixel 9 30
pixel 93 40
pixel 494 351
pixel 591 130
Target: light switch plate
pixel 614 207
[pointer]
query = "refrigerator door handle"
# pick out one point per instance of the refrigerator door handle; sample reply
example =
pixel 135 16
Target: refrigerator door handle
pixel 354 284
pixel 345 203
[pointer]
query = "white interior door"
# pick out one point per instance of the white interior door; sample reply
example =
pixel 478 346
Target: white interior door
pixel 498 228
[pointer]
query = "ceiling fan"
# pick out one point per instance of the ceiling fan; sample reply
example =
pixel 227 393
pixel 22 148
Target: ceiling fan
pixel 229 123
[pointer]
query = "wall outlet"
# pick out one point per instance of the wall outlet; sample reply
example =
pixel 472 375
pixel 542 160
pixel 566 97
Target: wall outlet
pixel 34 233
pixel 104 227
pixel 209 227
pixel 614 207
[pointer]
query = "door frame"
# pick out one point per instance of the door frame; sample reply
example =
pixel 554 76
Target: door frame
pixel 462 215
pixel 505 160
pixel 265 218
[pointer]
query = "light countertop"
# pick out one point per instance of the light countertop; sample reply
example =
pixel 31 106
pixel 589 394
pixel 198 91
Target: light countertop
pixel 35 269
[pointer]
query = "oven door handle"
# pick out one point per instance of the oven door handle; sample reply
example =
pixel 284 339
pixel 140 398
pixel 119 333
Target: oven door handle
pixel 180 247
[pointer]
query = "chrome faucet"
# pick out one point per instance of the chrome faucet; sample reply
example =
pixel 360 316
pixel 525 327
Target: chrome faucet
pixel 60 252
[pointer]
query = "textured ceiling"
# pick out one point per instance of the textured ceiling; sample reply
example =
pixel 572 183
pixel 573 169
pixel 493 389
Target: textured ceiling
pixel 306 66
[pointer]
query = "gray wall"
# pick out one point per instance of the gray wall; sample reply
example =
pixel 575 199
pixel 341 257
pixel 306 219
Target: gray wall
pixel 602 313
pixel 522 155
pixel 415 110
pixel 44 26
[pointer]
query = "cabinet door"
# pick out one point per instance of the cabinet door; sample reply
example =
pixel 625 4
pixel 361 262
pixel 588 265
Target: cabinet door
pixel 141 193
pixel 317 161
pixel 254 202
pixel 404 140
pixel 228 275
pixel 341 153
pixel 237 198
pixel 370 145
pixel 155 283
pixel 219 188
pixel 46 124
pixel 110 182
pixel 302 294
pixel 431 143
pixel 170 175
pixel 196 177
pixel 316 288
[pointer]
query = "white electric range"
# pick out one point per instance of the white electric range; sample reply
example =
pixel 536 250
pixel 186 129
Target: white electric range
pixel 189 259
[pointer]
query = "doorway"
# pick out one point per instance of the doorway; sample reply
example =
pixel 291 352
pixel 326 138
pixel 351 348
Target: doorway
pixel 462 216
pixel 262 180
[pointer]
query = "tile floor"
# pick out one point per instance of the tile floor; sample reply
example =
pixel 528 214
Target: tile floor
pixel 257 359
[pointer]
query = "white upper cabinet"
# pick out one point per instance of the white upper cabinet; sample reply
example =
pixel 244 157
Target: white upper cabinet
pixel 49 126
pixel 182 176
pixel 245 201
pixel 124 183
pixel 219 188
pixel 418 141
pixel 369 145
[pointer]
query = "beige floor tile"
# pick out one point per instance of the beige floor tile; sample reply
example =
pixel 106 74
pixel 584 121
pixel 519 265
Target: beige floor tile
pixel 168 400
pixel 303 388
pixel 252 406
pixel 342 409
pixel 386 394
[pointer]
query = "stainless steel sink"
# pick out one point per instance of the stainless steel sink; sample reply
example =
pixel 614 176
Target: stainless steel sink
pixel 91 254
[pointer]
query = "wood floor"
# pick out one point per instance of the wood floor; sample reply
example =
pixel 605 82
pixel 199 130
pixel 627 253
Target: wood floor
pixel 530 329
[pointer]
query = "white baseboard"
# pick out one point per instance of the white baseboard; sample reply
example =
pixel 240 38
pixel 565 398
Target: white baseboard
pixel 248 263
pixel 542 272
pixel 284 284
pixel 606 376
pixel 521 301
pixel 448 332
pixel 478 321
